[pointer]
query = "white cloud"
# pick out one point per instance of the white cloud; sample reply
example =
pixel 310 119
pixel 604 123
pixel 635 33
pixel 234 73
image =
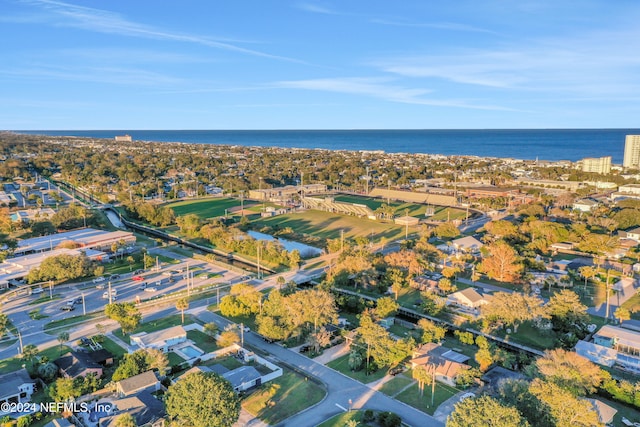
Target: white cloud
pixel 314 8
pixel 103 21
pixel 380 88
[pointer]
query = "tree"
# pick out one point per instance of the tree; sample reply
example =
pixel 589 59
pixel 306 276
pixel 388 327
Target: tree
pixel 294 259
pixel 569 371
pixel 513 309
pixel 125 420
pixel 386 307
pixel 566 310
pixel 446 230
pixel 484 358
pixel 622 314
pixel 484 411
pixel 48 371
pixel 4 322
pixel 320 339
pixel 501 262
pixel 133 364
pixel 355 360
pixel 126 314
pixel 182 304
pixel 398 279
pixel 423 376
pixel 211 329
pixel 587 272
pixel 62 338
pixel 430 331
pixel 515 393
pixel 228 338
pixel 564 409
pixel 202 400
pixel 130 261
pixel 29 353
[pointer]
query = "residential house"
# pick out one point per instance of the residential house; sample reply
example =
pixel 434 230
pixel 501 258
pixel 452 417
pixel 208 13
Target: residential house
pixel 633 234
pixel 584 205
pixel 243 378
pixel 59 422
pixel 132 385
pixel 145 409
pixel 76 364
pixel 162 340
pixel 467 244
pixel 17 387
pixel 494 376
pixel 446 363
pixel 102 357
pixel 426 282
pixel 613 346
pixel 604 411
pixel 468 300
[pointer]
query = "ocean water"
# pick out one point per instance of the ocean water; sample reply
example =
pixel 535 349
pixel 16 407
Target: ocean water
pixel 545 144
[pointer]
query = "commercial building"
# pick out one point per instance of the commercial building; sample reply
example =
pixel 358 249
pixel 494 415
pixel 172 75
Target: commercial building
pixel 631 152
pixel 287 193
pixel 85 238
pixel 601 165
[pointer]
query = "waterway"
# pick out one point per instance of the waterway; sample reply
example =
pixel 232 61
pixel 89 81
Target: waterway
pixel 306 251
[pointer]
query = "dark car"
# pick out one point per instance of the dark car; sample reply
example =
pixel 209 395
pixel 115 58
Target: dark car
pixel 396 370
pixel 68 307
pixel 85 341
pixel 305 348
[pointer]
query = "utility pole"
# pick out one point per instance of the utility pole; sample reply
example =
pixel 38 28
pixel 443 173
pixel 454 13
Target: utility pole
pixel 341 239
pixel 110 295
pixel 242 335
pixel 259 247
pixel 20 338
pixel 50 289
pixel 84 308
pixel 607 286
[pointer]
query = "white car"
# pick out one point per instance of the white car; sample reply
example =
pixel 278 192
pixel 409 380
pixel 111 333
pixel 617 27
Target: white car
pixel 467 395
pixel 98 279
pixel 150 289
pixel 114 294
pixel 35 291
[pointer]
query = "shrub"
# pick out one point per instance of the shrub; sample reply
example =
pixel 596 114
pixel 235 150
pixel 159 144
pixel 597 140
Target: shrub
pixel 389 419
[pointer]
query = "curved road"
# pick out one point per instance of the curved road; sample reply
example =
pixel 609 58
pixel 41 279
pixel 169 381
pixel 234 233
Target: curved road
pixel 340 388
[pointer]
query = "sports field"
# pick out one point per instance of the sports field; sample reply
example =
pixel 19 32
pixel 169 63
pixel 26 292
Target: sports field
pixel 327 225
pixel 205 208
pixel 417 210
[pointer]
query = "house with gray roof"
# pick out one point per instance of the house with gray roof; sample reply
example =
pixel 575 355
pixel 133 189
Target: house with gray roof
pixel 77 363
pixel 243 378
pixel 145 409
pixel 17 387
pixel 145 381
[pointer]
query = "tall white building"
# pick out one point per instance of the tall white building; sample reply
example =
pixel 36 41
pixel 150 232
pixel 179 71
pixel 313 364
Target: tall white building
pixel 601 165
pixel 631 152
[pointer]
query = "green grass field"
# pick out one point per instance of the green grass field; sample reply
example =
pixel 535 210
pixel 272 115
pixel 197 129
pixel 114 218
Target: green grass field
pixel 327 225
pixel 155 325
pixel 341 364
pixel 411 396
pixel 341 420
pixel 15 363
pixel 393 387
pixel 283 397
pixel 414 209
pixel 207 208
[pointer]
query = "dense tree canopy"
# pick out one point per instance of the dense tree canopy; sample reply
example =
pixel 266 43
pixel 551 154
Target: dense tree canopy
pixel 202 400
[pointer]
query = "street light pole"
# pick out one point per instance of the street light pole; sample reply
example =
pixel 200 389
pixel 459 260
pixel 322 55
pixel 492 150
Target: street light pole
pixel 84 308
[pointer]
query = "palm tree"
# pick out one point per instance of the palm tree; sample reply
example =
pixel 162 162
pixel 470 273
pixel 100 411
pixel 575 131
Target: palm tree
pixel 587 272
pixel 29 353
pixel 182 304
pixel 62 338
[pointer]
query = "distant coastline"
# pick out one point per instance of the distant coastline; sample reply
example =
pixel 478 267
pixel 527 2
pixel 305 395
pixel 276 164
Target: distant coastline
pixel 527 144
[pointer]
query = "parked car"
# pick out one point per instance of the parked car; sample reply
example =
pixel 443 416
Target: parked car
pixel 467 395
pixel 150 289
pixel 305 348
pixel 396 370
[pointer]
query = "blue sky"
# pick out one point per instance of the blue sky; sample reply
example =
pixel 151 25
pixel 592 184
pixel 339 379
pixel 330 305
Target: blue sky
pixel 357 64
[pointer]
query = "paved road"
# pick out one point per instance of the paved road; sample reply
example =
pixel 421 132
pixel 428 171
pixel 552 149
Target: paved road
pixel 340 388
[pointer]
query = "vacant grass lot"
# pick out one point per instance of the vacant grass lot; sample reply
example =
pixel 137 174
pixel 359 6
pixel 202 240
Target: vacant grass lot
pixel 113 348
pixel 341 364
pixel 203 341
pixel 411 396
pixel 392 387
pixel 283 397
pixel 327 225
pixel 204 208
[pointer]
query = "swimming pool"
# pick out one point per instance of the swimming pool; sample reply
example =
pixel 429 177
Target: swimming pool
pixel 190 351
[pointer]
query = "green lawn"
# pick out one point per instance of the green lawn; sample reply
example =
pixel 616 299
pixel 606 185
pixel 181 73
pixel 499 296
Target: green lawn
pixel 15 363
pixel 283 397
pixel 155 325
pixel 174 359
pixel 326 225
pixel 529 335
pixel 411 396
pixel 113 348
pixel 45 298
pixel 51 327
pixel 207 208
pixel 633 305
pixel 341 364
pixel 228 362
pixel 390 388
pixel 340 420
pixel 203 341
